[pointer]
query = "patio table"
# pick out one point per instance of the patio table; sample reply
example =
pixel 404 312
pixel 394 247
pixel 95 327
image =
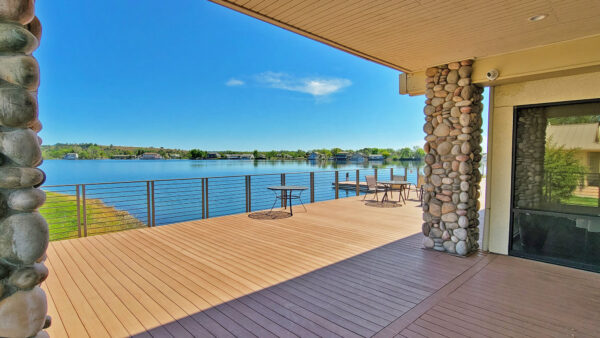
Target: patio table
pixel 387 185
pixel 286 193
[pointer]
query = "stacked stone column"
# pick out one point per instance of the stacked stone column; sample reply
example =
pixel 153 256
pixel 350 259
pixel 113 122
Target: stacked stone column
pixel 453 146
pixel 531 147
pixel 23 231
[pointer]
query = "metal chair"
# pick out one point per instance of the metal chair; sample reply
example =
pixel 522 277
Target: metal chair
pixel 400 188
pixel 372 187
pixel 419 187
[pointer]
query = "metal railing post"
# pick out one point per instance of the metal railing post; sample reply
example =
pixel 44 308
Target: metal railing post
pixel 78 211
pixel 284 197
pixel 148 204
pixel 206 194
pixel 337 184
pixel 248 198
pixel 312 187
pixel 203 199
pixel 375 170
pixel 153 204
pixel 84 210
pixel 357 182
pixel 406 174
pixel 392 174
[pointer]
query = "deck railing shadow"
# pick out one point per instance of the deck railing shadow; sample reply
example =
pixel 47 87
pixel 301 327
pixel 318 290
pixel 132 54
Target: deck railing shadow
pixel 81 210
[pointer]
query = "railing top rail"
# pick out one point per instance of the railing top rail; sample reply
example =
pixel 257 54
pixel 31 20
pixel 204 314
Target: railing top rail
pixel 209 177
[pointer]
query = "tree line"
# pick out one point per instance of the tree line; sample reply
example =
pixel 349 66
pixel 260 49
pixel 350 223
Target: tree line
pixel 95 151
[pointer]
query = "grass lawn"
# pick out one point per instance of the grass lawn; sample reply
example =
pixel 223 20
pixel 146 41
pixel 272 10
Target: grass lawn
pixel 60 210
pixel 582 201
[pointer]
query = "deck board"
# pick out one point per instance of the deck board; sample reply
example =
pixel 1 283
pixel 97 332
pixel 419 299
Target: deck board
pixel 341 269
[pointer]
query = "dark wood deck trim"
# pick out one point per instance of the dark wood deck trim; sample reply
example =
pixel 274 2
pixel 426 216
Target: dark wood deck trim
pixel 411 316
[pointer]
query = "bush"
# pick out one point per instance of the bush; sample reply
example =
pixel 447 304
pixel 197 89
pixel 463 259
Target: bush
pixel 564 172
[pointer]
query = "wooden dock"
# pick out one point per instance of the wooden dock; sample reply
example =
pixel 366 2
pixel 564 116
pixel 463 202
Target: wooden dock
pixel 340 269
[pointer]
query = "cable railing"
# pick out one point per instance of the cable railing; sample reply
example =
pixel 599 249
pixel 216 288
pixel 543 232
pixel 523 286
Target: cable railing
pixel 80 210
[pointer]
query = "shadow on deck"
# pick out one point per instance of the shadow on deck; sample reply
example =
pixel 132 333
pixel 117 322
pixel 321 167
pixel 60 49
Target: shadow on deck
pixel 339 269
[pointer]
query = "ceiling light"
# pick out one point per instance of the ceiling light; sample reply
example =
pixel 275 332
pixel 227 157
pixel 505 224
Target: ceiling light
pixel 538 17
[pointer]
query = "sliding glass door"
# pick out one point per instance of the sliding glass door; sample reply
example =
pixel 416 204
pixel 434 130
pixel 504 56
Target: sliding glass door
pixel 556 184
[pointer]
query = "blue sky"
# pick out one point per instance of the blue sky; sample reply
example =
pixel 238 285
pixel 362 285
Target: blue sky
pixel 198 75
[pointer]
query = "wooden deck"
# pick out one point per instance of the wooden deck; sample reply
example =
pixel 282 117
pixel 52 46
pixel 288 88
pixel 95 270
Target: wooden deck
pixel 340 269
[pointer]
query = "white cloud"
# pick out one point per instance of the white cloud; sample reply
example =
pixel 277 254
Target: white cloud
pixel 234 82
pixel 313 85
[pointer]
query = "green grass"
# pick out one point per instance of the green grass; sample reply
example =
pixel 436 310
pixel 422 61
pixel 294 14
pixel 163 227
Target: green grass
pixel 582 201
pixel 60 211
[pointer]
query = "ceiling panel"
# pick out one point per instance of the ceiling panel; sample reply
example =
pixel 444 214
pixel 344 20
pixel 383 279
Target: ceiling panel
pixel 412 35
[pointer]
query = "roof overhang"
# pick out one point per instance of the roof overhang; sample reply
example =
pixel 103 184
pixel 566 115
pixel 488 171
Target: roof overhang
pixel 410 35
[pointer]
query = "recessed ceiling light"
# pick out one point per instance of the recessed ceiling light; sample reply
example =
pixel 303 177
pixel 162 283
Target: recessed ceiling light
pixel 538 17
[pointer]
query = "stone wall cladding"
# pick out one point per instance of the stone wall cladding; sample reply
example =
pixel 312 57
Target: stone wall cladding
pixel 23 231
pixel 529 168
pixel 453 146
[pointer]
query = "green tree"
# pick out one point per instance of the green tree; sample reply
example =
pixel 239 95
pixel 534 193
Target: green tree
pixel 334 151
pixel 405 153
pixel 418 152
pixel 563 171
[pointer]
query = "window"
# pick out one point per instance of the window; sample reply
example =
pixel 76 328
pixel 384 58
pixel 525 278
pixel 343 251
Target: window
pixel 556 184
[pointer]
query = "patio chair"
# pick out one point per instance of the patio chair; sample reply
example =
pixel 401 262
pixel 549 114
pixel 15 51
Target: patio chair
pixel 397 187
pixel 372 187
pixel 419 187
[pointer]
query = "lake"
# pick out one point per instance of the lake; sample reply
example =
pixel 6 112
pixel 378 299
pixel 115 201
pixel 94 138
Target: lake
pixel 81 200
pixel 95 171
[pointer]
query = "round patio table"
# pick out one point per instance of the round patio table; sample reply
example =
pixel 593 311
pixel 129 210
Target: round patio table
pixel 388 187
pixel 286 193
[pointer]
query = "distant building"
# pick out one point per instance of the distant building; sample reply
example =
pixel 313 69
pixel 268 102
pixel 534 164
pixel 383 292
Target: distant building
pixel 71 156
pixel 174 156
pixel 376 157
pixel 343 156
pixel 314 156
pixel 122 157
pixel 151 156
pixel 357 157
pixel 213 155
pixel 240 157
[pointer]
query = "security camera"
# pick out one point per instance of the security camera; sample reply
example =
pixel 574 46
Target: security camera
pixel 492 74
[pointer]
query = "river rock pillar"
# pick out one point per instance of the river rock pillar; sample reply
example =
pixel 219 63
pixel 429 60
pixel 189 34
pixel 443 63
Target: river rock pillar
pixel 23 231
pixel 453 146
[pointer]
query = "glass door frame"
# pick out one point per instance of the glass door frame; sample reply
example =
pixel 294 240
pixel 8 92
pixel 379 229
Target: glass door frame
pixel 513 210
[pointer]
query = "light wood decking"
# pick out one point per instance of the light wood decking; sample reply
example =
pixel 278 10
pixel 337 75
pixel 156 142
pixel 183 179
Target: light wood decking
pixel 340 269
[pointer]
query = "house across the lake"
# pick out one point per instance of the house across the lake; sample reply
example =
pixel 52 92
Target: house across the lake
pixel 213 156
pixel 123 157
pixel 314 156
pixel 151 156
pixel 357 157
pixel 71 156
pixel 342 156
pixel 240 156
pixel 376 157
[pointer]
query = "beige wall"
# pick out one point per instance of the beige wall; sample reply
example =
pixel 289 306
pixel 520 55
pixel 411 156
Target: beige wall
pixel 504 98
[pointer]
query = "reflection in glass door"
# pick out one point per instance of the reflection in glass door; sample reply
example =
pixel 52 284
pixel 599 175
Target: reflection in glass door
pixel 556 184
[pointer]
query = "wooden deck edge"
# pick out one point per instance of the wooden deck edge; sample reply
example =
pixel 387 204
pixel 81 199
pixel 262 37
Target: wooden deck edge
pixel 409 317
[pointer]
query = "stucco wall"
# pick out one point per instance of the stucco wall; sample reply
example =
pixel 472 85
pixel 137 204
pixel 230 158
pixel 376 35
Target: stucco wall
pixel 505 97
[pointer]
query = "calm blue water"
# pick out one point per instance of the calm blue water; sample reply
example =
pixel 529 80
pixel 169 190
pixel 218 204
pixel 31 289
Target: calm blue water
pixel 182 200
pixel 95 171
